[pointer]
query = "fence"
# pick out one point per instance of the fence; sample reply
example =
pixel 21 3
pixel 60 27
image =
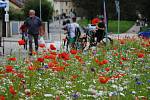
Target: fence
pixel 15 25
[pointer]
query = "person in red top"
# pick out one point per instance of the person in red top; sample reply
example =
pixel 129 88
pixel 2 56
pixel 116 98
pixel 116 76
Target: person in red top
pixel 23 30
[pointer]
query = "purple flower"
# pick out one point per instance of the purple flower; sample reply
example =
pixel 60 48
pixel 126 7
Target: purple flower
pixel 45 66
pixel 148 81
pixel 138 83
pixel 75 95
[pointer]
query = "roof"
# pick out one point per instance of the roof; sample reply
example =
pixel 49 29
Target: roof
pixel 18 3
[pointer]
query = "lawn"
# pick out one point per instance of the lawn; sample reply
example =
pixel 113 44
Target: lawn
pixel 113 25
pixel 116 72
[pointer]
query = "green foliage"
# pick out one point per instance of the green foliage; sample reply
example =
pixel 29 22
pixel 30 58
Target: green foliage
pixel 46 8
pixel 16 15
pixel 83 22
pixel 129 8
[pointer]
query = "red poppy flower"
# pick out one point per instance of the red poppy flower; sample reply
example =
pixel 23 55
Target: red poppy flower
pixel 101 63
pixel 105 61
pixel 115 48
pixel 95 21
pixel 96 60
pixel 11 90
pixel 77 57
pixel 121 62
pixel 73 51
pixel 30 68
pixel 124 58
pixel 9 69
pixel 12 59
pixel 103 79
pixel 118 75
pixel 107 69
pixel 58 68
pixel 65 64
pixel 40 59
pixel 51 64
pixel 42 45
pixel 21 42
pixel 20 75
pixel 46 57
pixel 2 97
pixel 74 76
pixel 52 47
pixel 53 53
pixel 34 53
pixel 64 56
pixel 141 55
pixel 122 41
pixel 52 56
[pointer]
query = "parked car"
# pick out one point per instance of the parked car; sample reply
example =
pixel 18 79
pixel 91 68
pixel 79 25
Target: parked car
pixel 145 34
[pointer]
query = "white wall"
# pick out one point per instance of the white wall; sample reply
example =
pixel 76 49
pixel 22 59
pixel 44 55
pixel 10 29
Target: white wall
pixel 58 6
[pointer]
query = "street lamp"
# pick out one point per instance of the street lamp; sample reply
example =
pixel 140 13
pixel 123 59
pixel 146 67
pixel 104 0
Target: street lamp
pixel 105 18
pixel 40 10
pixel 118 12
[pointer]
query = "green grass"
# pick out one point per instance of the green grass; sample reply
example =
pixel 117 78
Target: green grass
pixel 124 26
pixel 112 25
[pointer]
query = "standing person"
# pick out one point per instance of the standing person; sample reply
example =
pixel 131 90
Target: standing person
pixel 23 30
pixel 73 32
pixel 100 30
pixel 34 26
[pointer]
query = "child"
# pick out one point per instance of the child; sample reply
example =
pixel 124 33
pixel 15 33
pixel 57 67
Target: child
pixel 23 30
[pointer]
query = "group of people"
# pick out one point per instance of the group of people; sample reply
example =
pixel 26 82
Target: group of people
pixel 31 29
pixel 72 29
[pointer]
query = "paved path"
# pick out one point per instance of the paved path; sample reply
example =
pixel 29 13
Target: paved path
pixel 56 35
pixel 134 29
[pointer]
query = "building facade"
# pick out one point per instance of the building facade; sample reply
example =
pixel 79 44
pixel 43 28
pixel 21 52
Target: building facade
pixel 61 7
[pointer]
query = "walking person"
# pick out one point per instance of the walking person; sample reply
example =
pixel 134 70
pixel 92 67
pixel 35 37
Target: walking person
pixel 23 30
pixel 34 26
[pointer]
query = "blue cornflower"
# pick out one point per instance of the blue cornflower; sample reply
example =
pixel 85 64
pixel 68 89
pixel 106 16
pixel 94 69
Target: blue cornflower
pixel 75 96
pixel 138 83
pixel 45 66
pixel 148 81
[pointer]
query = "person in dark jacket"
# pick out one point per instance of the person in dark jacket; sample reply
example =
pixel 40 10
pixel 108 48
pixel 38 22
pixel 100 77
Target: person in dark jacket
pixel 34 26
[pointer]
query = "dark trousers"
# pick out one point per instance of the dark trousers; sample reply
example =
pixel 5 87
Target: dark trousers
pixel 31 37
pixel 99 35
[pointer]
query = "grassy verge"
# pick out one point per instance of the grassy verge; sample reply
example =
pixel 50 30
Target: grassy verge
pixel 112 25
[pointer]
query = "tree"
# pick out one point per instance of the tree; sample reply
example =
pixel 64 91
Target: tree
pixel 128 8
pixel 91 7
pixel 46 8
pixel 16 15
